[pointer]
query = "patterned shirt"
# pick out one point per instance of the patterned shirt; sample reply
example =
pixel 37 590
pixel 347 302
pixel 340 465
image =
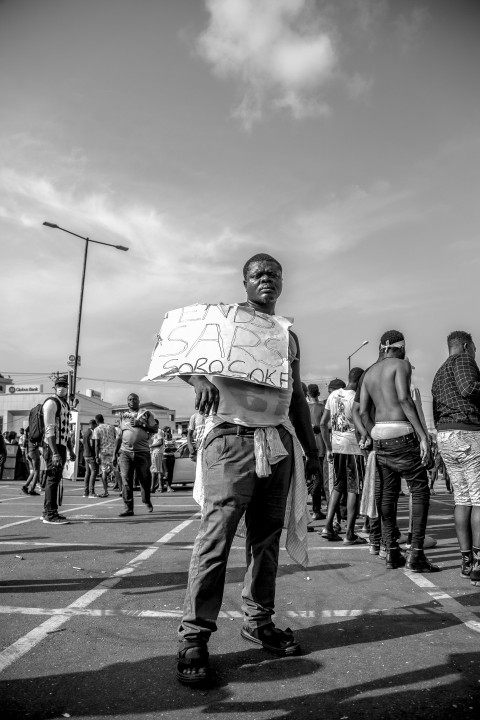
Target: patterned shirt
pixel 56 417
pixel 456 394
pixel 104 435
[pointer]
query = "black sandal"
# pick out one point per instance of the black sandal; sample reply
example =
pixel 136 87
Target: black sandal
pixel 196 660
pixel 280 642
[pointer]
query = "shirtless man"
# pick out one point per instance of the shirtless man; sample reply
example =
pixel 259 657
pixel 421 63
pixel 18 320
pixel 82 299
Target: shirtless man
pixel 401 446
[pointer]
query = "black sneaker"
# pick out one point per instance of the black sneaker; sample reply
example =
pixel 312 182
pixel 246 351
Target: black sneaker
pixel 280 642
pixel 394 559
pixel 417 562
pixel 33 492
pixel 149 507
pixel 56 520
pixel 466 568
pixel 25 490
pixel 62 517
pixel 126 513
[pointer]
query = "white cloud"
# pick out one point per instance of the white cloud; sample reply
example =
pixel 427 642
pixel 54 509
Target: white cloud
pixel 280 52
pixel 342 223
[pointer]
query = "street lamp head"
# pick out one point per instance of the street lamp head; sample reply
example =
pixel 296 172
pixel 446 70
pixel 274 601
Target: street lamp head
pixel 121 247
pixel 52 225
pixel 365 342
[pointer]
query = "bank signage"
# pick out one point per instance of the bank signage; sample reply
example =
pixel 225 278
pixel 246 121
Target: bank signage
pixel 71 360
pixel 25 389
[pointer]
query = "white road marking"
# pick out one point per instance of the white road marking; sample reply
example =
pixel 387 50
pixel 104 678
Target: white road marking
pixel 77 544
pixel 37 517
pixel 72 611
pixel 448 603
pixel 35 636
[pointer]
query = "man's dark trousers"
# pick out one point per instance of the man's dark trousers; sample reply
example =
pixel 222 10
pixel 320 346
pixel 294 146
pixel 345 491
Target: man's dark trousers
pixel 53 478
pixel 134 463
pixel 397 458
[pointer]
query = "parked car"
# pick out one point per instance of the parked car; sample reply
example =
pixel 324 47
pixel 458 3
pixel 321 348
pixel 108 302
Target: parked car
pixel 184 470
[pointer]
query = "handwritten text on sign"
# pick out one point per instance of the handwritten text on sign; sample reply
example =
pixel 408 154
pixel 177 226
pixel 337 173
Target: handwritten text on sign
pixel 229 340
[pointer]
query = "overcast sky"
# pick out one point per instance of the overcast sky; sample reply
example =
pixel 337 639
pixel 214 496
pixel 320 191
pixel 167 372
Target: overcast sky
pixel 341 137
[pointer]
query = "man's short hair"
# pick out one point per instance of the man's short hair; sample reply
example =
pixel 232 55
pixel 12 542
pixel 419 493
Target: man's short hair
pixel 459 337
pixel 391 336
pixel 355 374
pixel 99 419
pixel 92 422
pixel 259 257
pixel 313 390
pixel 336 384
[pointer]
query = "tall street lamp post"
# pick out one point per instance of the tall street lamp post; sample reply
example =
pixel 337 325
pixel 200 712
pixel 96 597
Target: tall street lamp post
pixel 79 321
pixel 365 342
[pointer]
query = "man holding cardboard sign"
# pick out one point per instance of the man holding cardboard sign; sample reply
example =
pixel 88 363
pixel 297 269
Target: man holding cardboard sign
pixel 243 362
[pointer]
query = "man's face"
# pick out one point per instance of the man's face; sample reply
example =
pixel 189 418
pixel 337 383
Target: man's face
pixel 61 390
pixel 133 401
pixel 263 282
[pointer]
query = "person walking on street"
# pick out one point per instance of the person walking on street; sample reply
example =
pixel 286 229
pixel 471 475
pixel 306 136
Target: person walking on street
pixel 104 439
pixel 91 467
pixel 347 459
pixel 169 457
pixel 56 418
pixel 33 459
pixel 316 408
pixel 401 447
pixel 456 413
pixel 156 454
pixel 132 452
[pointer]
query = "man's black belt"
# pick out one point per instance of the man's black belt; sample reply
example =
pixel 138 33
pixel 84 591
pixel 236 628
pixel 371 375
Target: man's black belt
pixel 395 442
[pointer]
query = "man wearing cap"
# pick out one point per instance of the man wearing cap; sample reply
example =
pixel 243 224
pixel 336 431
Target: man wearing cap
pixel 401 447
pixel 56 418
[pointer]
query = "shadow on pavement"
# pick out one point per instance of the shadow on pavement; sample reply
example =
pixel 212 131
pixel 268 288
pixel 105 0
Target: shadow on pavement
pixel 148 686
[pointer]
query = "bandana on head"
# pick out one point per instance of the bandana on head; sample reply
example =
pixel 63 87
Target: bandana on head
pixel 388 344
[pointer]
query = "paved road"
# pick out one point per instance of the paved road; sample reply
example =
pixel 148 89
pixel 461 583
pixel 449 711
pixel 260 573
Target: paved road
pixel 89 612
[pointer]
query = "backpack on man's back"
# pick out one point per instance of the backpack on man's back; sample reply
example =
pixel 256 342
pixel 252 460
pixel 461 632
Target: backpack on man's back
pixel 36 422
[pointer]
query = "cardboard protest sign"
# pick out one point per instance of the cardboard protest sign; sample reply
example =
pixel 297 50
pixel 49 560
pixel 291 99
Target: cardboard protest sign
pixel 228 340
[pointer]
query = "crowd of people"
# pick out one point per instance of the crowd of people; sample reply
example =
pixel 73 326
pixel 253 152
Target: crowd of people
pixel 132 454
pixel 260 449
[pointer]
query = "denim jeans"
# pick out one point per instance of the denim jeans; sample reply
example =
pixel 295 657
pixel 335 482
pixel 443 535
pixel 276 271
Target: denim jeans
pixel 397 458
pixel 231 489
pixel 91 470
pixel 138 464
pixel 53 478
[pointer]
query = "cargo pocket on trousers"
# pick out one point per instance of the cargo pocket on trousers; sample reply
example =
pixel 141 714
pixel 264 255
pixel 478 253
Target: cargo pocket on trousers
pixel 215 451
